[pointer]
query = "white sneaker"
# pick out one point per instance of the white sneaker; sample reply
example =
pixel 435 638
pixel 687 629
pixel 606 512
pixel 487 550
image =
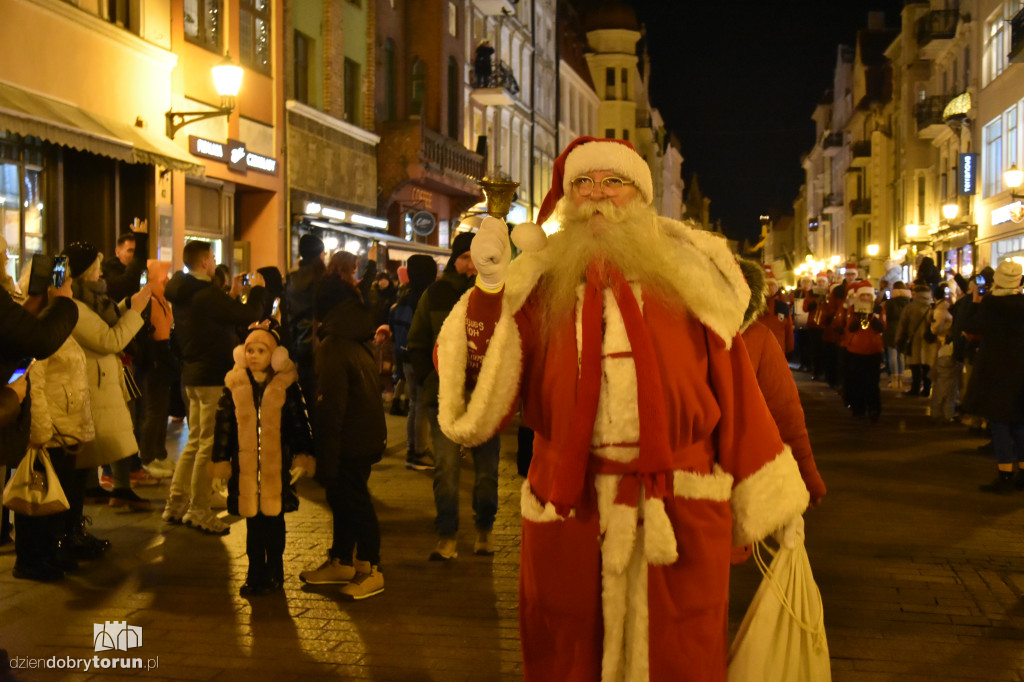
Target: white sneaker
pixel 219 500
pixel 160 468
pixel 445 550
pixel 206 521
pixel 174 511
pixel 330 572
pixel 484 545
pixel 367 582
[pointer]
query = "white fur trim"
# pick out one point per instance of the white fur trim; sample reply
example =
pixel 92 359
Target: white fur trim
pixel 497 387
pixel 618 525
pixel 626 655
pixel 609 156
pixel 532 510
pixel 279 359
pixel 716 486
pixel 659 537
pixel 764 501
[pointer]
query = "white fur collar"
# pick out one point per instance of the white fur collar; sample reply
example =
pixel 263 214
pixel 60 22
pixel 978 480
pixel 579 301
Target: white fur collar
pixel 708 279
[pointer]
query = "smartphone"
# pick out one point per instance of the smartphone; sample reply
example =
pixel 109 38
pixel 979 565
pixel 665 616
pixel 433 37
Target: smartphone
pixel 245 280
pixel 41 274
pixel 21 371
pixel 273 308
pixel 888 294
pixel 60 271
pixel 979 280
pixel 144 278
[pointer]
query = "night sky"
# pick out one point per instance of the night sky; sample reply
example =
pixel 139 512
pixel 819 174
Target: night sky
pixel 738 83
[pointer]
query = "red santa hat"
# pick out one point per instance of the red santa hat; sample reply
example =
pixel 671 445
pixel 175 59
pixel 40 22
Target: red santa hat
pixel 587 154
pixel 861 288
pixel 850 267
pixel 769 276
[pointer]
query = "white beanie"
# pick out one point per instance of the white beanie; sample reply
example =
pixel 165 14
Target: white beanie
pixel 1007 277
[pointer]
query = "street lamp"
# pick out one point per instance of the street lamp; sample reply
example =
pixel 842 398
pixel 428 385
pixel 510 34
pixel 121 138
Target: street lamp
pixel 872 250
pixel 227 78
pixel 950 211
pixel 1013 177
pixel 912 231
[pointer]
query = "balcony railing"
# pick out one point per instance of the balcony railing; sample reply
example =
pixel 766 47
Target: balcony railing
pixel 929 111
pixel 499 77
pixel 447 155
pixel 939 24
pixel 1017 37
pixel 832 200
pixel 860 206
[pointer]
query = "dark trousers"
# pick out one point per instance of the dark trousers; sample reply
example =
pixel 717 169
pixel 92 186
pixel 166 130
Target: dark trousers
pixel 155 380
pixel 264 546
pixel 920 382
pixel 816 350
pixel 35 537
pixel 355 521
pixel 830 363
pixel 803 348
pixel 862 376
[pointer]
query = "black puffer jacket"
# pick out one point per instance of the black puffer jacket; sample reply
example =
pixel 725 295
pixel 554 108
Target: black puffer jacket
pixel 996 388
pixel 205 322
pixel 123 280
pixel 24 335
pixel 348 415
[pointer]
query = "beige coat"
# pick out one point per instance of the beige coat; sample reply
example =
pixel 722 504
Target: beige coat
pixel 61 404
pixel 103 344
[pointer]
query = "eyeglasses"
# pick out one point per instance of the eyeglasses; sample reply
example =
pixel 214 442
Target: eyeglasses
pixel 610 185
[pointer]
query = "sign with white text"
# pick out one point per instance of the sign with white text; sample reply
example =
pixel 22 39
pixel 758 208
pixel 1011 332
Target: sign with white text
pixel 233 153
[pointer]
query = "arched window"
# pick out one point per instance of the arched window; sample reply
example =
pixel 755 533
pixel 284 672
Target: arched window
pixel 389 80
pixel 453 98
pixel 419 86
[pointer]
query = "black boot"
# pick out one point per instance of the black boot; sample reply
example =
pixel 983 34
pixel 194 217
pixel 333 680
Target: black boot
pixel 86 545
pixel 255 579
pixel 1002 485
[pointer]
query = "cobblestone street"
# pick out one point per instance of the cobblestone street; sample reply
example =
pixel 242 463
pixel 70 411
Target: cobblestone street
pixel 922 576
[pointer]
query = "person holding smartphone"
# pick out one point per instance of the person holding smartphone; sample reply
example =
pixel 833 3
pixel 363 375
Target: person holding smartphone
pixel 123 270
pixel 36 330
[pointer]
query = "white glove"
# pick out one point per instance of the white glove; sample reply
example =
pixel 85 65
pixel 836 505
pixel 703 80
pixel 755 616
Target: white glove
pixel 791 534
pixel 491 253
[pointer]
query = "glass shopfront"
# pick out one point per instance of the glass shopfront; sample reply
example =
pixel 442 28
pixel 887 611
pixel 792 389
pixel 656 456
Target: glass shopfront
pixel 21 201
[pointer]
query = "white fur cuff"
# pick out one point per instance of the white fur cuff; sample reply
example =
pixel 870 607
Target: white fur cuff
pixel 767 499
pixel 532 510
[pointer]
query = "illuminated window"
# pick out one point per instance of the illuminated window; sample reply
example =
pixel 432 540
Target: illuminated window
pixel 203 23
pixel 254 34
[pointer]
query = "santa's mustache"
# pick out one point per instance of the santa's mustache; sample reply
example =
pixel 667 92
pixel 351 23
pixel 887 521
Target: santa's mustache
pixel 588 209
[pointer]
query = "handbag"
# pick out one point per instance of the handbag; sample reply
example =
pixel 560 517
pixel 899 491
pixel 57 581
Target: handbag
pixel 132 386
pixel 32 491
pixel 907 347
pixel 782 636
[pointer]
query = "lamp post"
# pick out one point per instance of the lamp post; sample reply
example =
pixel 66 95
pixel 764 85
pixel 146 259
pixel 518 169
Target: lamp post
pixel 1013 177
pixel 227 78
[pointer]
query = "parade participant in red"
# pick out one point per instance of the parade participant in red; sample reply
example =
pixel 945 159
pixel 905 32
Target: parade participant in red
pixel 778 312
pixel 654 451
pixel 864 349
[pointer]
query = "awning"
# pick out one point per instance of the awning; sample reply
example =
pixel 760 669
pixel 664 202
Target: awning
pixel 31 114
pixel 398 248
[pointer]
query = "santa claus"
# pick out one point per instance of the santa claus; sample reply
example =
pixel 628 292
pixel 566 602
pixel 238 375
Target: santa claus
pixel 654 451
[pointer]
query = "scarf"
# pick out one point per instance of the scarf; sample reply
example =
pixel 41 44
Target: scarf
pixel 94 295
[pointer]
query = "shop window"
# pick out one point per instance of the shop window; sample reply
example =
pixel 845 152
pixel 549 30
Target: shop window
pixel 992 161
pixel 303 49
pixel 254 34
pixel 203 23
pixel 22 212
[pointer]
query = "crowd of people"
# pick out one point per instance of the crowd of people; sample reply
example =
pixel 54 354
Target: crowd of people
pixel 953 336
pixel 259 363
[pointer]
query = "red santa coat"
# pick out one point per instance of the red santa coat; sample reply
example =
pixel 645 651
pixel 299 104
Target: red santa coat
pixel 780 324
pixel 629 580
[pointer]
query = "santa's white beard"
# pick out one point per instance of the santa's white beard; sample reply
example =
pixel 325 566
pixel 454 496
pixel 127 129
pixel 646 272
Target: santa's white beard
pixel 628 237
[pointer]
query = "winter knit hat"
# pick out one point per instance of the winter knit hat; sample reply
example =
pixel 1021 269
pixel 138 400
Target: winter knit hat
pixel 422 270
pixel 81 256
pixel 268 333
pixel 1008 275
pixel 587 154
pixel 460 245
pixel 310 246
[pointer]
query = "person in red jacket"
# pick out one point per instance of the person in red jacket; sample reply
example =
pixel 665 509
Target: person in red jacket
pixel 778 313
pixel 776 382
pixel 814 306
pixel 864 349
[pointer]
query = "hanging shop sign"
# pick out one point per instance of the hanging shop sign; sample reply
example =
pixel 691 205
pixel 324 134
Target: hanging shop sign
pixel 233 153
pixel 423 223
pixel 967 173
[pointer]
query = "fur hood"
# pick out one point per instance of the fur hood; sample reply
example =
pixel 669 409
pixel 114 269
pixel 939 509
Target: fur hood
pixel 754 274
